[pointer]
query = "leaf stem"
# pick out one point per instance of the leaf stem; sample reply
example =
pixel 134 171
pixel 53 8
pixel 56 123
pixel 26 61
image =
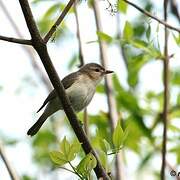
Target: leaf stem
pixel 75 171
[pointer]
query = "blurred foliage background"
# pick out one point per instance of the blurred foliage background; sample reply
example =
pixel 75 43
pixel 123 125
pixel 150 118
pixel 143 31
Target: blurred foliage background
pixel 134 41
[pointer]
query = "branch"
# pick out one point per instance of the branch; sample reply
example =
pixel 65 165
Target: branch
pixel 11 171
pixel 41 48
pixel 113 115
pixel 59 20
pixel 152 16
pixel 81 58
pixel 15 40
pixel 166 94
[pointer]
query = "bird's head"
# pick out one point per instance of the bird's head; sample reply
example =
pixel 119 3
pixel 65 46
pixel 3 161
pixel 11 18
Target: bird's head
pixel 95 71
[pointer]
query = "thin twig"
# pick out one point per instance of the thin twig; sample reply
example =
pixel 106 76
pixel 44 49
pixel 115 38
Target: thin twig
pixel 75 171
pixel 81 58
pixel 166 94
pixel 41 48
pixel 16 40
pixel 59 20
pixel 152 16
pixel 11 171
pixel 113 115
pixel 61 167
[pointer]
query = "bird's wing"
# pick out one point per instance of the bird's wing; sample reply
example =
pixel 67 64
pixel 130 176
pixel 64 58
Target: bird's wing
pixel 70 79
pixel 67 82
pixel 51 96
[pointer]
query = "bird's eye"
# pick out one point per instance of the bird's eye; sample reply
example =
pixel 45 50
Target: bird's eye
pixel 97 70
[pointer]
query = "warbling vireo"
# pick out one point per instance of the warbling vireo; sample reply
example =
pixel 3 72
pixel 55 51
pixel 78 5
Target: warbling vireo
pixel 80 87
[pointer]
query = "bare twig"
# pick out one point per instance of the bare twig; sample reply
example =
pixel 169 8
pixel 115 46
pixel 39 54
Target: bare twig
pixel 11 171
pixel 16 40
pixel 108 82
pixel 11 39
pixel 152 16
pixel 81 58
pixel 61 167
pixel 41 48
pixel 166 94
pixel 59 20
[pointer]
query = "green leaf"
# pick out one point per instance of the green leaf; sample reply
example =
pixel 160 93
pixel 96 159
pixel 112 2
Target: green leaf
pixel 105 146
pixel 58 158
pixel 173 128
pixel 118 136
pixel 65 147
pixel 146 47
pixel 128 31
pixel 43 139
pixel 100 89
pixel 104 159
pixel 176 150
pixel 128 101
pixel 86 164
pixel 145 160
pixel 74 149
pixel 177 38
pixel 68 150
pixel 52 10
pixel 134 65
pixel 175 77
pixel 178 99
pixel 105 37
pixel 139 29
pixel 66 153
pixel 122 6
pixel 148 32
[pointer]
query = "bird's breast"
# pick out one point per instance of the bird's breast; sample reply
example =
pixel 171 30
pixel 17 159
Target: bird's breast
pixel 80 94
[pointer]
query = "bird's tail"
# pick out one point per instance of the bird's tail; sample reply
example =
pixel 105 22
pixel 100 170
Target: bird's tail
pixel 35 128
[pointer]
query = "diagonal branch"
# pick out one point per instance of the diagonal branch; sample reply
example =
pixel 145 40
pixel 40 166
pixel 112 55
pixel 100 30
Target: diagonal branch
pixel 16 40
pixel 41 48
pixel 152 16
pixel 59 20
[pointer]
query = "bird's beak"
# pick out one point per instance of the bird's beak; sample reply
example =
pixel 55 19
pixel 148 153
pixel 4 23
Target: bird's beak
pixel 108 72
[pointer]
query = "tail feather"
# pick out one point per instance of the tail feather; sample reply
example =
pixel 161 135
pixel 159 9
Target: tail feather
pixel 35 128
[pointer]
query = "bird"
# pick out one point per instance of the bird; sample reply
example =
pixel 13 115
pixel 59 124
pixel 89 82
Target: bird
pixel 80 87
